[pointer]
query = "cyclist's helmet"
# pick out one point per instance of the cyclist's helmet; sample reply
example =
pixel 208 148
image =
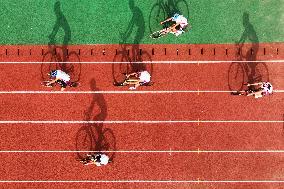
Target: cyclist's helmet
pixel 268 87
pixel 53 73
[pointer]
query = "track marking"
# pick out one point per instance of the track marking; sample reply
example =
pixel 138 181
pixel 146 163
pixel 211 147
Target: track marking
pixel 144 151
pixel 157 62
pixel 142 181
pixel 138 121
pixel 119 92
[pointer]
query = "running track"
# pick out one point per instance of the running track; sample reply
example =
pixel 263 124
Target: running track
pixel 196 154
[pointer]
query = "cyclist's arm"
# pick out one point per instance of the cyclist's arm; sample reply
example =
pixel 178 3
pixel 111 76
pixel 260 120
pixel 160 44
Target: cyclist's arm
pixel 169 19
pixel 52 81
pixel 128 32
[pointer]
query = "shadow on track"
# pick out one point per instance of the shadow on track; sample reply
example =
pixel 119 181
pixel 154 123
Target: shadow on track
pixel 250 71
pixel 92 136
pixel 132 54
pixel 58 56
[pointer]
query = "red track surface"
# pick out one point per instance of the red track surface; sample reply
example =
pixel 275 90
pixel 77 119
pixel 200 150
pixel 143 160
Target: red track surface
pixel 130 166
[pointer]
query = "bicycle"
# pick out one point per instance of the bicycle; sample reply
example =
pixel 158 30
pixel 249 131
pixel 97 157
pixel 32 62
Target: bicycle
pixel 100 141
pixel 161 9
pixel 58 57
pixel 242 72
pixel 89 159
pixel 123 64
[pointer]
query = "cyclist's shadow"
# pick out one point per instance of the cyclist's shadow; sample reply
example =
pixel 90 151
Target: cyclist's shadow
pixel 248 70
pixel 92 136
pixel 57 56
pixel 137 20
pixel 130 58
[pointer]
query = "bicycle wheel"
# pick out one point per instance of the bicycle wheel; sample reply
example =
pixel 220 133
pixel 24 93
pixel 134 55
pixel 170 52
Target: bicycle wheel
pixel 181 8
pixel 261 72
pixel 157 15
pixel 73 66
pixel 236 76
pixel 48 64
pixel 120 67
pixel 84 142
pixel 109 143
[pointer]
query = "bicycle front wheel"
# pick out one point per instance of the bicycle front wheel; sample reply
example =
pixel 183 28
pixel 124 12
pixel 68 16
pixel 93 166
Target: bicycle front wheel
pixel 84 142
pixel 236 76
pixel 157 15
pixel 182 8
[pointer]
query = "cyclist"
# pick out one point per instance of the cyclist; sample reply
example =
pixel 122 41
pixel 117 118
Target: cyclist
pixel 262 89
pixel 179 26
pixel 97 159
pixel 137 79
pixel 60 77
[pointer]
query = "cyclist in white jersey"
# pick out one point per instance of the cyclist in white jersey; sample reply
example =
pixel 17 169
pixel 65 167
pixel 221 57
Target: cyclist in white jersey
pixel 60 77
pixel 264 89
pixel 180 24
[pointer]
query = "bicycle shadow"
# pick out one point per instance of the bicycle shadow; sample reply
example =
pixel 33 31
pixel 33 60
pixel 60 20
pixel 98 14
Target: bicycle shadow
pixel 249 70
pixel 61 22
pixel 132 53
pixel 58 53
pixel 93 136
pixel 162 10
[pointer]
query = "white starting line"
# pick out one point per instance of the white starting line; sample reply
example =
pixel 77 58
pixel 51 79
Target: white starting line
pixel 137 121
pixel 145 181
pixel 121 92
pixel 155 62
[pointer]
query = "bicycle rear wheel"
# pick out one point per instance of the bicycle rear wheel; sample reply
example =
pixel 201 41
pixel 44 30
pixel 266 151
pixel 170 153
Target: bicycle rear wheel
pixel 236 76
pixel 48 63
pixel 84 142
pixel 182 8
pixel 157 15
pixel 261 72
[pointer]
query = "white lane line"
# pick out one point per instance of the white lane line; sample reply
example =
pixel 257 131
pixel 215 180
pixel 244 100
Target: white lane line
pixel 119 92
pixel 142 181
pixel 138 121
pixel 144 151
pixel 158 62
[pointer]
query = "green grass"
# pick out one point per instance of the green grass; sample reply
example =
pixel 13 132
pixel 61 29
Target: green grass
pixel 101 22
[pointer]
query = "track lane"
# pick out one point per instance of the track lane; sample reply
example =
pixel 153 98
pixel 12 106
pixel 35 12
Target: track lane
pixel 27 77
pixel 139 107
pixel 147 137
pixel 145 166
pixel 145 185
